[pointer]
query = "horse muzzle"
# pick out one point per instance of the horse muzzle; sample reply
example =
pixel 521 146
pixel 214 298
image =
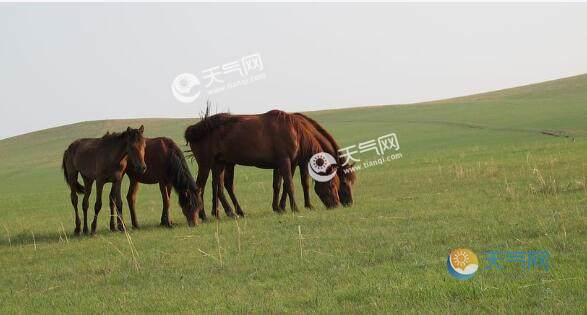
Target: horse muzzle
pixel 141 169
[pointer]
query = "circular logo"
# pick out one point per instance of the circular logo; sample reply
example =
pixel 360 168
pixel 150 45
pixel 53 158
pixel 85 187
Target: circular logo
pixel 462 263
pixel 319 163
pixel 182 87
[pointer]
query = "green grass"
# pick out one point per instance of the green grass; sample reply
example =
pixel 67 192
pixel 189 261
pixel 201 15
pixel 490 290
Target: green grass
pixel 476 172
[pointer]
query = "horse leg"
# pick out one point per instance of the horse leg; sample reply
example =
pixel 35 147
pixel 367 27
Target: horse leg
pixel 97 205
pixel 117 186
pixel 229 185
pixel 201 180
pixel 283 195
pixel 215 180
pixel 169 188
pixel 112 205
pixel 277 180
pixel 131 197
pixel 221 196
pixel 86 202
pixel 285 169
pixel 165 212
pixel 305 179
pixel 78 221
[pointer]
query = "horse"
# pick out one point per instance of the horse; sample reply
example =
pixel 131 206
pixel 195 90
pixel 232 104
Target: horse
pixel 167 167
pixel 273 140
pixel 344 178
pixel 102 160
pixel 345 174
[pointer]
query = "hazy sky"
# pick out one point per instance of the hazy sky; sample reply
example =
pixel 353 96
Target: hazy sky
pixel 65 63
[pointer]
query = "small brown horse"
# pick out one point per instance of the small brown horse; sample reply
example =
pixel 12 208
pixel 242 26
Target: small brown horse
pixel 167 167
pixel 346 177
pixel 273 140
pixel 102 160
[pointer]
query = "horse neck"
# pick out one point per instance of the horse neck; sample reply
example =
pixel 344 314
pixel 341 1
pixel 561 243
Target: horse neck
pixel 325 145
pixel 116 149
pixel 312 145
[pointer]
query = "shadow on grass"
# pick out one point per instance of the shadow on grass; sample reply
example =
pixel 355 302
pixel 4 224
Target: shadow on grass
pixel 27 238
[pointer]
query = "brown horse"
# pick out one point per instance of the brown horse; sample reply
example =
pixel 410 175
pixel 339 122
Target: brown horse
pixel 102 160
pixel 273 140
pixel 167 167
pixel 343 179
pixel 346 177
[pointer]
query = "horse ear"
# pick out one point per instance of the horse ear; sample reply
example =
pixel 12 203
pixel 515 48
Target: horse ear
pixel 141 129
pixel 128 129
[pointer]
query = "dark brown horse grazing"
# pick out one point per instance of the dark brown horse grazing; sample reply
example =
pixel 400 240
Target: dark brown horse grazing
pixel 102 160
pixel 167 167
pixel 344 175
pixel 273 140
pixel 342 182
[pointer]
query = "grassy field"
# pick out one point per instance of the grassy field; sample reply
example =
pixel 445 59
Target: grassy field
pixel 476 172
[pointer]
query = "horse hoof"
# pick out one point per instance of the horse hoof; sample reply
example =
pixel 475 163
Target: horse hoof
pixel 86 232
pixel 309 207
pixel 76 232
pixel 113 228
pixel 168 225
pixel 241 214
pixel 136 227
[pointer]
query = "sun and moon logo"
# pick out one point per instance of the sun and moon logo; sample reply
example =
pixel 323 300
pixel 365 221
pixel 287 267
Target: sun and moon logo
pixel 319 163
pixel 462 263
pixel 183 86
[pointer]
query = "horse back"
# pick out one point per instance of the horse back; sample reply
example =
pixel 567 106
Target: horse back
pixel 93 159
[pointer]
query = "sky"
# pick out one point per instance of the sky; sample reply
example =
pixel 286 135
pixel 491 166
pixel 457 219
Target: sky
pixel 66 63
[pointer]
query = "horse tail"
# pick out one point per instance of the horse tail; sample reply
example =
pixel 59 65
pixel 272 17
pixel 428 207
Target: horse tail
pixel 79 188
pixel 181 179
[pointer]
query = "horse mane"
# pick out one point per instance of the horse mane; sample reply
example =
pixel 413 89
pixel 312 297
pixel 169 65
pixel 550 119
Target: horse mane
pixel 321 130
pixel 180 176
pixel 281 115
pixel 351 176
pixel 308 142
pixel 207 125
pixel 110 137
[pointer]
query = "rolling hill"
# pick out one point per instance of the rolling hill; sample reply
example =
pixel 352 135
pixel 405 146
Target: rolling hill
pixel 503 170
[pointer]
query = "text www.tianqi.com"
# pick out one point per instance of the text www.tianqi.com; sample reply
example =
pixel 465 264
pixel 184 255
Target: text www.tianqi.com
pixel 380 161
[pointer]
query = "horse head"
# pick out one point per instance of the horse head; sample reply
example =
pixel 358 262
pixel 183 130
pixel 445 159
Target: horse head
pixel 135 148
pixel 328 191
pixel 347 177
